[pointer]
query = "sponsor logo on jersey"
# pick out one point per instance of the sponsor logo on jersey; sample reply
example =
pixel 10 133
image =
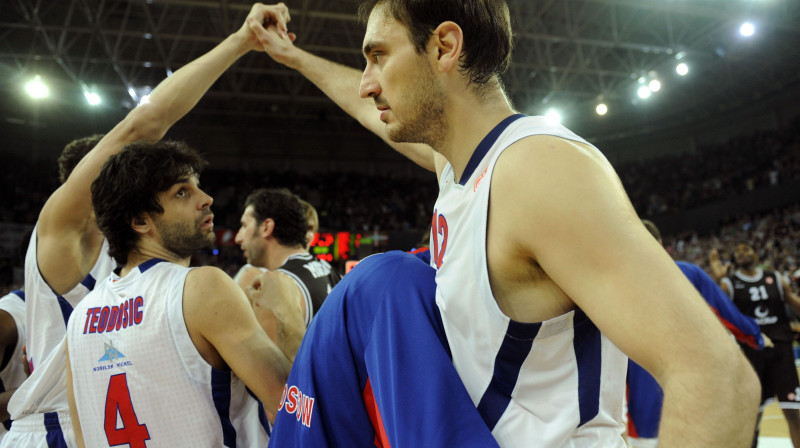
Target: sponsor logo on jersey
pixel 768 280
pixel 480 178
pixel 113 318
pixel 112 356
pixel 293 401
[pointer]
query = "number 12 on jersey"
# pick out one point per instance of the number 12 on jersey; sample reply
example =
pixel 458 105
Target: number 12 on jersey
pixel 118 402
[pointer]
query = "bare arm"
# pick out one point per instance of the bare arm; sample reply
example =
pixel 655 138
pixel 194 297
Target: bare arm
pixel 224 329
pixel 341 84
pixel 246 279
pixel 719 271
pixel 585 235
pixel 68 240
pixel 280 309
pixel 73 408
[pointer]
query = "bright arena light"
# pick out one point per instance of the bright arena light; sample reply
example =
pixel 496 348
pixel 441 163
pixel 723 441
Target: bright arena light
pixel 682 69
pixel 36 88
pixel 92 98
pixel 654 85
pixel 601 109
pixel 553 115
pixel 747 29
pixel 644 92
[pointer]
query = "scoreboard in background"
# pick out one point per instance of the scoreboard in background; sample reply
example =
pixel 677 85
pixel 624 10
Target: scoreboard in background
pixel 345 246
pixel 336 246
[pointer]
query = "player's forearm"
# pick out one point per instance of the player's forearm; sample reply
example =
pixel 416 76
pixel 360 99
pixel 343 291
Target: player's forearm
pixel 173 98
pixel 176 95
pixel 341 84
pixel 710 405
pixel 289 340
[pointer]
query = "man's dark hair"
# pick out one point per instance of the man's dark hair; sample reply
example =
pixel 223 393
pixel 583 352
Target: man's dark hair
pixel 283 207
pixel 486 24
pixel 73 153
pixel 128 186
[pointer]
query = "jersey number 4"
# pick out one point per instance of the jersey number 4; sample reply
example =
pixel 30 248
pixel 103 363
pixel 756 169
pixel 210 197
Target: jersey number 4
pixel 118 403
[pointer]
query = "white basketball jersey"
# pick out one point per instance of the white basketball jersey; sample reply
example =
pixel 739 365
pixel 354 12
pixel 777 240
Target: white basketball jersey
pixel 13 374
pixel 45 325
pixel 138 376
pixel 558 383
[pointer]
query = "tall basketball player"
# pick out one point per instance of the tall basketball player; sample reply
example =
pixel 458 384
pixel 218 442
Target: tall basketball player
pixel 546 277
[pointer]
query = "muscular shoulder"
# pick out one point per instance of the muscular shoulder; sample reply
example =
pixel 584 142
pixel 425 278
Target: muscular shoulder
pixel 552 183
pixel 208 284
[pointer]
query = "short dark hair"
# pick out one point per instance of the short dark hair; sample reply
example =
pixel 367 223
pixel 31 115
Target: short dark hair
pixel 73 153
pixel 283 207
pixel 486 24
pixel 128 186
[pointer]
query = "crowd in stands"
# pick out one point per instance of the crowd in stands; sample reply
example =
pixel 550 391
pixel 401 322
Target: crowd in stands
pixel 364 203
pixel 742 164
pixel 775 235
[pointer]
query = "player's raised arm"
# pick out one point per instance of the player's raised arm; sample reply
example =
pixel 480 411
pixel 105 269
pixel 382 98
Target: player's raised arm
pixel 340 83
pixel 217 309
pixel 583 232
pixel 66 226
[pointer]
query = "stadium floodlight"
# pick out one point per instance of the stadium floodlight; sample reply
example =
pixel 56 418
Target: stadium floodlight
pixel 654 85
pixel 36 88
pixel 682 69
pixel 92 98
pixel 747 29
pixel 553 116
pixel 644 92
pixel 601 109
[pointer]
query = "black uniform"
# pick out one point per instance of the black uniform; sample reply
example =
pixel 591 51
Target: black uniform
pixel 761 297
pixel 315 278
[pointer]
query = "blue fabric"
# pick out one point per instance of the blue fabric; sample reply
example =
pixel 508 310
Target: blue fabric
pixel 379 334
pixel 221 393
pixel 55 435
pixel 645 397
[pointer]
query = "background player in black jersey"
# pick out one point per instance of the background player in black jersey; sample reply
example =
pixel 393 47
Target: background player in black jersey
pixel 763 295
pixel 273 237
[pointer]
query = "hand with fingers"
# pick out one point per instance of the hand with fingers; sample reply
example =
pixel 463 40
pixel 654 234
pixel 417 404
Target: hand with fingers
pixel 718 269
pixel 277 306
pixel 267 23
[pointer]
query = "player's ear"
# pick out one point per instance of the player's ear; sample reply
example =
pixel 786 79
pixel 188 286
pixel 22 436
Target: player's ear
pixel 446 43
pixel 141 223
pixel 266 228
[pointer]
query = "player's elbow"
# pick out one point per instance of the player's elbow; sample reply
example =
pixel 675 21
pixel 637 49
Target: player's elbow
pixel 145 122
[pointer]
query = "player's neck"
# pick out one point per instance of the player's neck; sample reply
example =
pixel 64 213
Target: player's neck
pixel 470 119
pixel 142 254
pixel 749 271
pixel 278 254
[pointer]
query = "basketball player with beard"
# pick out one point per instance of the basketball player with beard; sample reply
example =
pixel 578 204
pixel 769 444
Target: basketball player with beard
pixel 763 295
pixel 158 339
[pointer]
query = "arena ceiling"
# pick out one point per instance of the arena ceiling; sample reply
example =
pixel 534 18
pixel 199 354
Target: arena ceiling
pixel 570 55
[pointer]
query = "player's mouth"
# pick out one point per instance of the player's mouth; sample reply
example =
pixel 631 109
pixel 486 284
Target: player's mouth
pixel 207 222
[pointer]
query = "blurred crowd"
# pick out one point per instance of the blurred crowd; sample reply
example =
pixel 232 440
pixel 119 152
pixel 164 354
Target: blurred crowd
pixel 368 203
